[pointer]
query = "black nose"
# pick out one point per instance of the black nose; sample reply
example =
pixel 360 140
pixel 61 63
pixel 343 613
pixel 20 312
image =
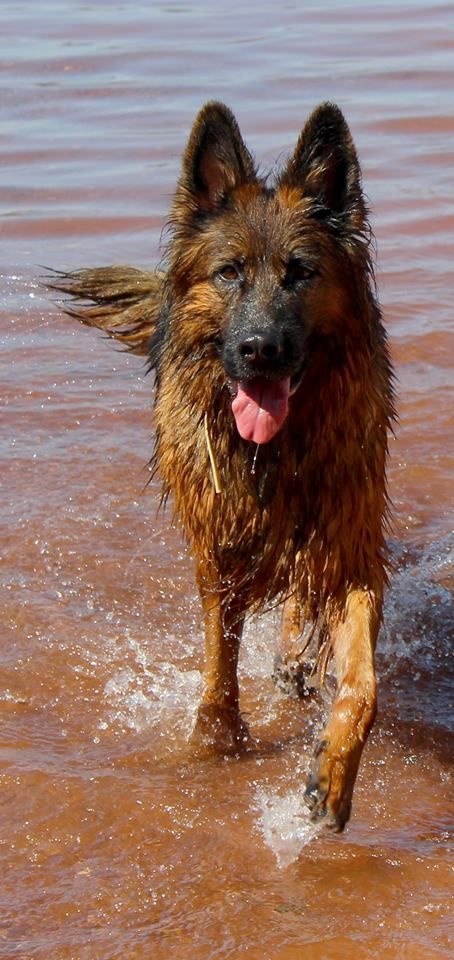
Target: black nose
pixel 260 349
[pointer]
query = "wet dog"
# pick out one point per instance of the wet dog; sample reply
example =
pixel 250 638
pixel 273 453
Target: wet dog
pixel 273 401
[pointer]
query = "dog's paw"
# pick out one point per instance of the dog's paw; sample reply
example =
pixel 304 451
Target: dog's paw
pixel 220 729
pixel 292 677
pixel 329 790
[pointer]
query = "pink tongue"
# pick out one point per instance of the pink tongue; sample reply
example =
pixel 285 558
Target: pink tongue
pixel 260 408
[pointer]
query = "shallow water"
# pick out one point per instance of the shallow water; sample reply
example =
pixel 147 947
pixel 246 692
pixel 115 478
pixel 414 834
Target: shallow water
pixel 114 841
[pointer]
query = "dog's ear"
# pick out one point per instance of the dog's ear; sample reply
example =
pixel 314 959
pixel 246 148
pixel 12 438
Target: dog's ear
pixel 325 165
pixel 215 161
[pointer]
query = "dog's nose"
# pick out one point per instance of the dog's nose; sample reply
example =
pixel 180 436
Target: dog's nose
pixel 260 349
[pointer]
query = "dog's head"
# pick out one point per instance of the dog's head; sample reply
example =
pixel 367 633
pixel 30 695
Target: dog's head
pixel 260 272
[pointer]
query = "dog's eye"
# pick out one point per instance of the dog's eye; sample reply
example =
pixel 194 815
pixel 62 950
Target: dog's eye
pixel 230 272
pixel 297 272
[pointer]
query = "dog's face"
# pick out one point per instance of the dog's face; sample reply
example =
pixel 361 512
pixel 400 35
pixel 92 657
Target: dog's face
pixel 260 272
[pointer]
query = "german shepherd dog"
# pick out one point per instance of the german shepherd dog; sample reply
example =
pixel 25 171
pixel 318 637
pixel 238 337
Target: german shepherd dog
pixel 273 402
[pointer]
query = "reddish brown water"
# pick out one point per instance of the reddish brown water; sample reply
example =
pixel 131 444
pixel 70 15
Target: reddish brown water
pixel 115 842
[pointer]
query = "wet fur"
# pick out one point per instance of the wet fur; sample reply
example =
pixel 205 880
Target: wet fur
pixel 302 517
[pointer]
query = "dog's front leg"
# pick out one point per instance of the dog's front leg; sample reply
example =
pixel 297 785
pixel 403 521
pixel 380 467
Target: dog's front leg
pixel 330 786
pixel 219 724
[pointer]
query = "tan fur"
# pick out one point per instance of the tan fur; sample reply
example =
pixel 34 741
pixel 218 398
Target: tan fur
pixel 122 301
pixel 301 518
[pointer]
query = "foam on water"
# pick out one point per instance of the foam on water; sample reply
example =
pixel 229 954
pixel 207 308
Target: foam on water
pixel 283 820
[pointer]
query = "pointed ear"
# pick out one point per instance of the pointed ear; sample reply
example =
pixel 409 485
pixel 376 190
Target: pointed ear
pixel 215 161
pixel 325 165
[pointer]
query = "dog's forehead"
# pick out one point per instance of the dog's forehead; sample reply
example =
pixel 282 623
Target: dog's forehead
pixel 266 221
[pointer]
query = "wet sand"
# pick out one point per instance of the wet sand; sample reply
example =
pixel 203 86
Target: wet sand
pixel 115 842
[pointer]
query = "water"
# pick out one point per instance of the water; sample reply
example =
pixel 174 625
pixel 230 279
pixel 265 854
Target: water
pixel 114 841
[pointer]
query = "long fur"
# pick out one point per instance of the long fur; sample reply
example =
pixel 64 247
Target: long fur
pixel 302 516
pixel 122 301
pixel 338 432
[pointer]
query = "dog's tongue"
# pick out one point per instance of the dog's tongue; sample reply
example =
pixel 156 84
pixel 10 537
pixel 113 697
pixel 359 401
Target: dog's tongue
pixel 260 408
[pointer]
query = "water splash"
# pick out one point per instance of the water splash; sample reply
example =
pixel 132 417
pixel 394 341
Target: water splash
pixel 419 609
pixel 284 823
pixel 166 699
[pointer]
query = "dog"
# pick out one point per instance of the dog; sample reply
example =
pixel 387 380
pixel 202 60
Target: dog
pixel 274 398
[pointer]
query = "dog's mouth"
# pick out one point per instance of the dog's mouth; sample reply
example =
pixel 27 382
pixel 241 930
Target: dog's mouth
pixel 260 405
